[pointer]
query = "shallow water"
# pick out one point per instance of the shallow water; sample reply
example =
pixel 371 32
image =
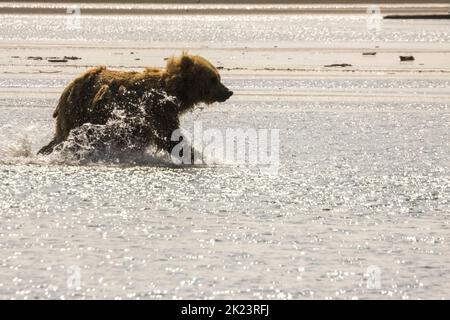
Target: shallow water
pixel 360 185
pixel 279 83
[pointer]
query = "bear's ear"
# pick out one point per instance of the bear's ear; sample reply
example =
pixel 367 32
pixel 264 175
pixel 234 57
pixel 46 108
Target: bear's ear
pixel 179 64
pixel 186 62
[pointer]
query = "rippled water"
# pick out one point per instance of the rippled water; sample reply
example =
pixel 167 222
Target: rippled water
pixel 228 29
pixel 250 83
pixel 358 185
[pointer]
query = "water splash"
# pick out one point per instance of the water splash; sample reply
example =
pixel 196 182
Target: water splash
pixel 16 146
pixel 121 140
pixel 126 137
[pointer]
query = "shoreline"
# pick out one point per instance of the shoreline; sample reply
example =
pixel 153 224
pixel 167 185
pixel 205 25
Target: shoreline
pixel 420 16
pixel 396 9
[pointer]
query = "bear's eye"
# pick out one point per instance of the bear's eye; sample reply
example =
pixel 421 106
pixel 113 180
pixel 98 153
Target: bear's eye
pixel 214 79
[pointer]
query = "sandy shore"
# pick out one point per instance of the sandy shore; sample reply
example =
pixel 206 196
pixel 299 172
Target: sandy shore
pixel 309 61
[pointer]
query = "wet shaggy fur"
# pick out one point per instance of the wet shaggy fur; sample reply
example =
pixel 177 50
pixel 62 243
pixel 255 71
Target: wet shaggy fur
pixel 150 102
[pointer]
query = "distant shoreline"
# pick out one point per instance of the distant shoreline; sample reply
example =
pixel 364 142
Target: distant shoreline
pixel 231 7
pixel 420 16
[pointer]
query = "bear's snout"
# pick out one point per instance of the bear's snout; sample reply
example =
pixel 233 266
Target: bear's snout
pixel 225 95
pixel 229 93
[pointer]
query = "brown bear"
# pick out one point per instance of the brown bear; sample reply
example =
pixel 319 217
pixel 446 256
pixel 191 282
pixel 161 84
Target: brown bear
pixel 147 104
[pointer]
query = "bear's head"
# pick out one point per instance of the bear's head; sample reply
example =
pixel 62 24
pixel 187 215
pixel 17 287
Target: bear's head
pixel 192 79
